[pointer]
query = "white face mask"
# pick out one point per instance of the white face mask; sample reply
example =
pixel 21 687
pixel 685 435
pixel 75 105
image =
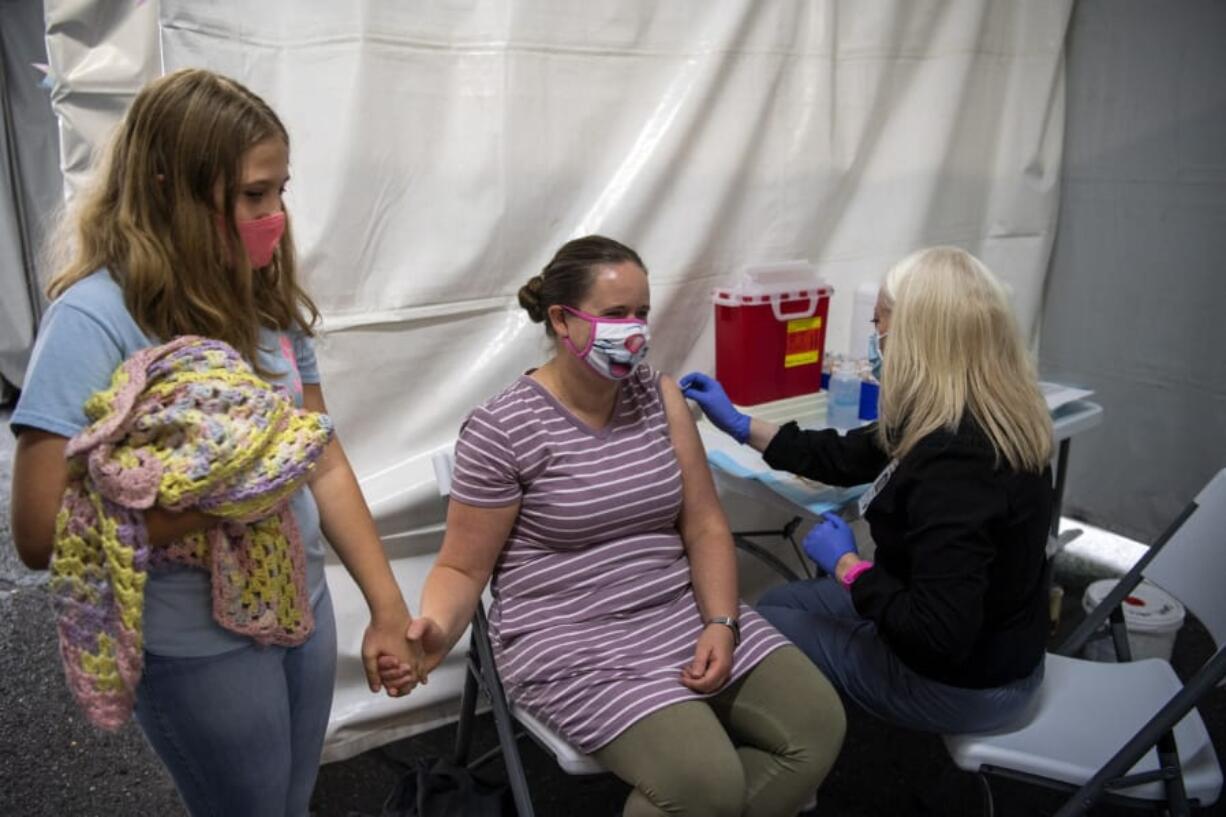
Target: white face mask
pixel 615 346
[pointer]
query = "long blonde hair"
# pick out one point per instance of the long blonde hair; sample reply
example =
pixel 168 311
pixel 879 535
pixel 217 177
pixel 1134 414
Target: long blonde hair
pixel 953 346
pixel 150 216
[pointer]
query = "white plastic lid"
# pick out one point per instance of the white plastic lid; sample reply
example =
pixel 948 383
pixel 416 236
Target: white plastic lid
pixel 1147 609
pixel 781 280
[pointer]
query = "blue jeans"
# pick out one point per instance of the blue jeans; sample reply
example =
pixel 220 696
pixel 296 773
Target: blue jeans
pixel 242 732
pixel 818 616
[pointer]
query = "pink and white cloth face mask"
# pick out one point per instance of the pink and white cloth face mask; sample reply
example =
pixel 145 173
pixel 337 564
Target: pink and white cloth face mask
pixel 615 346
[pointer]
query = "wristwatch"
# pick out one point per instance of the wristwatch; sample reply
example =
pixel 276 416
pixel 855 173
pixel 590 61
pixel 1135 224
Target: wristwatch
pixel 731 623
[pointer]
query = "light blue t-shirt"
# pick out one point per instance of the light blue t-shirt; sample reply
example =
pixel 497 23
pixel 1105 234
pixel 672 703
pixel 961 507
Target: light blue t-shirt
pixel 83 338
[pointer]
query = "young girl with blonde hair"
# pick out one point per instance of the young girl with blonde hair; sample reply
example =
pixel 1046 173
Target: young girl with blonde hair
pixel 186 233
pixel 945 630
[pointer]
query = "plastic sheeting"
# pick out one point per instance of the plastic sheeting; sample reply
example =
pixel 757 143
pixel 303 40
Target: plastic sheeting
pixel 443 150
pixel 30 185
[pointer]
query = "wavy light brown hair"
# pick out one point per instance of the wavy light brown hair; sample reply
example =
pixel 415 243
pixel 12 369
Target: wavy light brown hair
pixel 151 217
pixel 954 347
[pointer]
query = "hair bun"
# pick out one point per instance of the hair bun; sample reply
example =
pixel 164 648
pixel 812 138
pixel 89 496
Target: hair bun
pixel 530 298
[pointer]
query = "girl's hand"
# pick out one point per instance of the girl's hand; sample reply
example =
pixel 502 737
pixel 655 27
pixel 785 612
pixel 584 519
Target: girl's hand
pixel 425 639
pixel 712 662
pixel 164 527
pixel 397 677
pixel 384 639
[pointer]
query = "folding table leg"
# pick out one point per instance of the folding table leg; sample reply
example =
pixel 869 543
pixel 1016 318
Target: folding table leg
pixel 742 541
pixel 1061 476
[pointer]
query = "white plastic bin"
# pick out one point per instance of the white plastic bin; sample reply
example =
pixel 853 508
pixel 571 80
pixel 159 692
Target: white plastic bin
pixel 1151 615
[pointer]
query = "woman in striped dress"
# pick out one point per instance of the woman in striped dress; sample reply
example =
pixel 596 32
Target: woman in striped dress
pixel 583 489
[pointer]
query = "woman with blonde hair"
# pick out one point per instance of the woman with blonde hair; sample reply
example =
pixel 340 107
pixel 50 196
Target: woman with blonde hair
pixel 945 630
pixel 186 233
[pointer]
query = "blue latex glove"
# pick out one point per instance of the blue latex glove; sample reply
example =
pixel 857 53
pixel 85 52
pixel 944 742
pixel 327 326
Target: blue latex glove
pixel 709 394
pixel 830 540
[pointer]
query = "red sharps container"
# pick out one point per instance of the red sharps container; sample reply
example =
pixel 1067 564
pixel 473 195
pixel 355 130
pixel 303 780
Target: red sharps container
pixel 770 332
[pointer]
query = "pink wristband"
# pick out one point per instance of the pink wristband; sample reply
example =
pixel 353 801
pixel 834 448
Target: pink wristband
pixel 854 572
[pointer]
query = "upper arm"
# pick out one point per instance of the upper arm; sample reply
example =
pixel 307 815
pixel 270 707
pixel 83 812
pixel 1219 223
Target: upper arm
pixel 40 475
pixel 333 455
pixel 74 356
pixel 486 473
pixel 304 358
pixel 475 537
pixel 701 509
pixel 313 398
pixel 485 497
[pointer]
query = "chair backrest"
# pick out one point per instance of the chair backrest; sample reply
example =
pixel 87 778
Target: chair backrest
pixel 1186 560
pixel 443 461
pixel 1191 566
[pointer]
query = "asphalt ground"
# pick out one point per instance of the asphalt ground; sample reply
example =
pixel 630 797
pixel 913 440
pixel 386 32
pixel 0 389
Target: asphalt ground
pixel 54 764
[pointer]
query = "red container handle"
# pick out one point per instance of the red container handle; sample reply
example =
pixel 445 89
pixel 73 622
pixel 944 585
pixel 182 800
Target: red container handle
pixel 780 315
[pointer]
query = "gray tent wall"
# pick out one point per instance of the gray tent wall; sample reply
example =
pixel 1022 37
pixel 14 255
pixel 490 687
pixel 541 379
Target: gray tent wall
pixel 30 183
pixel 1135 306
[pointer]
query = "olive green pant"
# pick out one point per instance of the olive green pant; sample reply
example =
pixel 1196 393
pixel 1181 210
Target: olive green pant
pixel 758 748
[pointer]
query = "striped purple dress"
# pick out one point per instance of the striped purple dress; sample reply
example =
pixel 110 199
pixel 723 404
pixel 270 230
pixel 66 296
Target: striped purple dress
pixel 593 615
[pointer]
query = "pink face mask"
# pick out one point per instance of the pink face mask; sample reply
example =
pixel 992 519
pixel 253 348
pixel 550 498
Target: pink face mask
pixel 261 236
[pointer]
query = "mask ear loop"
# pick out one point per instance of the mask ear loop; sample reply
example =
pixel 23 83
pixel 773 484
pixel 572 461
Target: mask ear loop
pixel 591 335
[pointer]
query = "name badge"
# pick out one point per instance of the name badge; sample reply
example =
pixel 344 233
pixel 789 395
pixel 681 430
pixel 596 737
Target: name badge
pixel 879 483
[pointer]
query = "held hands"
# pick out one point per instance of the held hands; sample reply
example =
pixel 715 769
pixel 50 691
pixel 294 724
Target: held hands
pixel 830 540
pixel 708 671
pixel 391 662
pixel 425 638
pixel 709 394
pixel 712 662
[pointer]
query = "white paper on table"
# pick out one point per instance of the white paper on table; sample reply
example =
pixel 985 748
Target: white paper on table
pixel 745 463
pixel 741 460
pixel 1058 395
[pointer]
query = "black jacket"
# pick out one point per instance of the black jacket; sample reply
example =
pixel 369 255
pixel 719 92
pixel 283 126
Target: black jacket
pixel 959 589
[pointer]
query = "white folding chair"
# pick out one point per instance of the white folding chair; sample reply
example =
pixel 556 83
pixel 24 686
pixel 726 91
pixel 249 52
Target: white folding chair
pixel 1126 732
pixel 483 675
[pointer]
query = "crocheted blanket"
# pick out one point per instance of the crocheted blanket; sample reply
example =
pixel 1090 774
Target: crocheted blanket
pixel 185 425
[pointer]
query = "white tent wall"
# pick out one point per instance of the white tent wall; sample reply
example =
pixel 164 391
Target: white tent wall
pixel 1134 303
pixel 441 151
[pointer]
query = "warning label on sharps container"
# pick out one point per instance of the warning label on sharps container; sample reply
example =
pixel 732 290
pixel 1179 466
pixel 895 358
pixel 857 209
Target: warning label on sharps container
pixel 802 342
